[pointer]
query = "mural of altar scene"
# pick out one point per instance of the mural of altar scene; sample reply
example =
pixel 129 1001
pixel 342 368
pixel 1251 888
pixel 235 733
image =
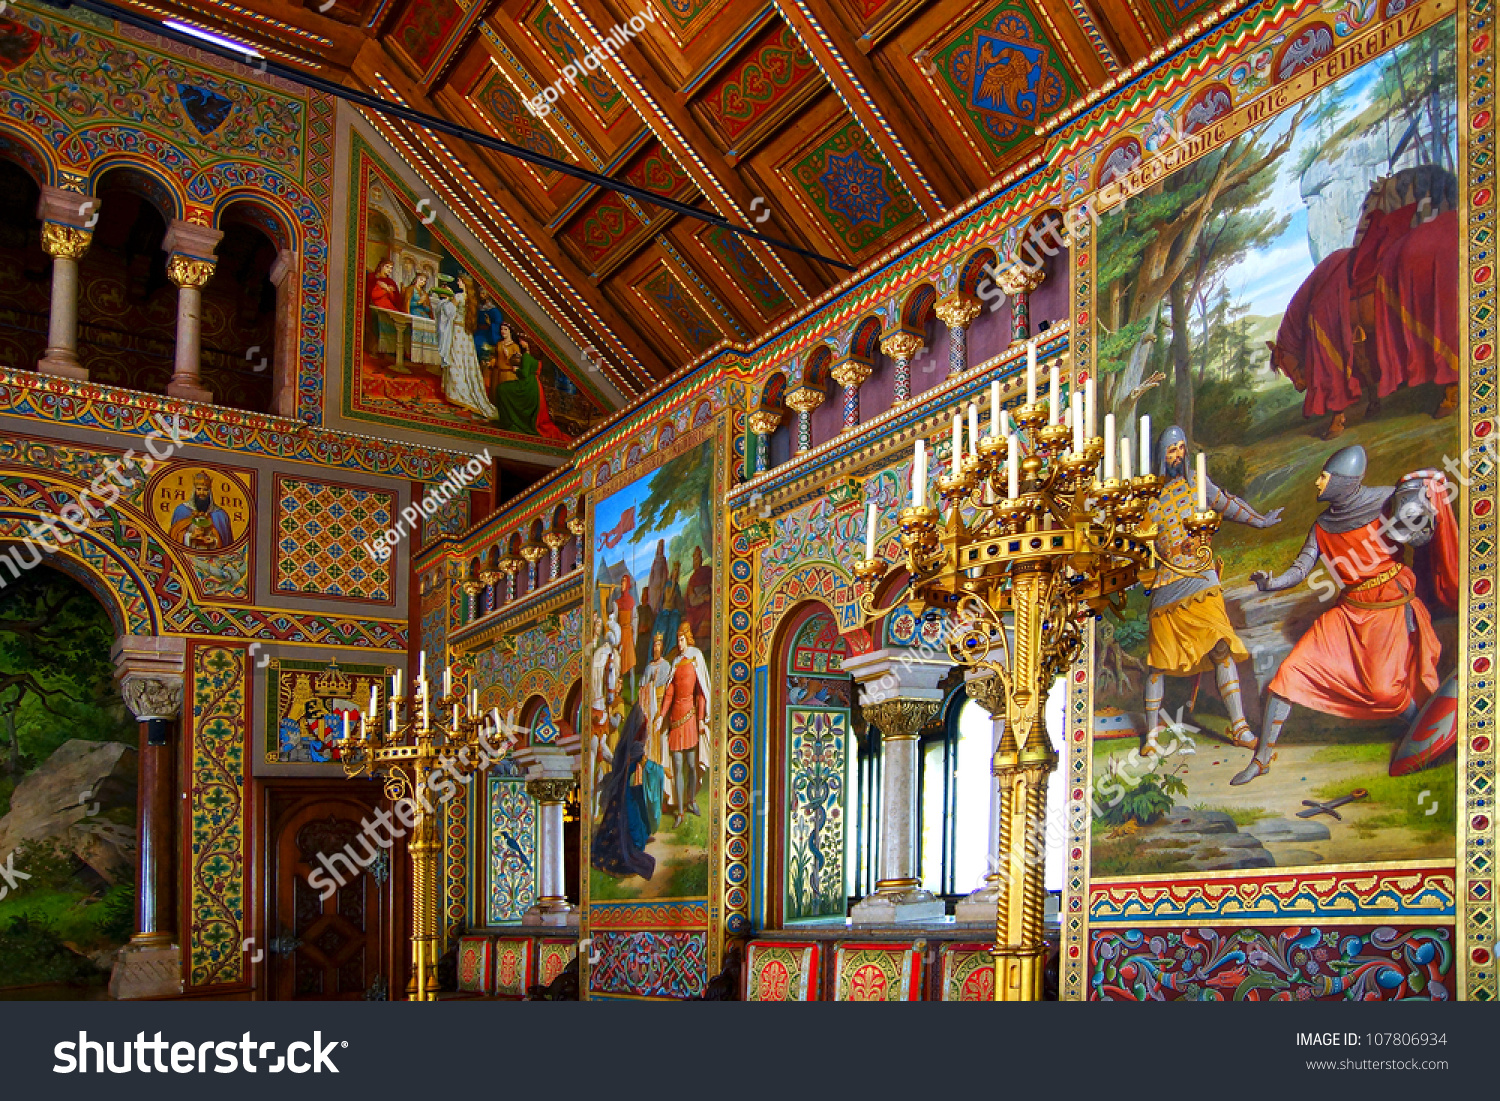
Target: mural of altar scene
pixel 1294 705
pixel 649 748
pixel 434 341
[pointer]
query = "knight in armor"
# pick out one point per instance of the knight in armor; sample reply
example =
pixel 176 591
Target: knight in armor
pixel 1189 630
pixel 1373 655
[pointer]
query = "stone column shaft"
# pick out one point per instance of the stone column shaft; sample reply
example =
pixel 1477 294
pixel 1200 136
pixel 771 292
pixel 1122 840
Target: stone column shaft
pixel 762 423
pixel 900 347
pixel 283 356
pixel 1018 282
pixel 804 399
pixel 66 245
pixel 958 311
pixel 851 375
pixel 150 675
pixel 552 906
pixel 190 265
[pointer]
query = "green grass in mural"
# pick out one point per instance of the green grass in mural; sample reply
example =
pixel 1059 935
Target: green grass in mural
pixel 1400 800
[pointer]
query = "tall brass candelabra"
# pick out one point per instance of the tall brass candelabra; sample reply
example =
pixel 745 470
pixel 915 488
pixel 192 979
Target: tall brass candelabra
pixel 1030 542
pixel 423 737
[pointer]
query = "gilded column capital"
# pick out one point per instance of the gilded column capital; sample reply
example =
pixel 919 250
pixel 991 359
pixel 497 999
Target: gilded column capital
pixel 554 539
pixel 901 718
pixel 958 310
pixel 764 421
pixel 1020 279
pixel 988 693
pixel 65 242
pixel 189 271
pixel 155 696
pixel 577 524
pixel 851 373
pixel 902 345
pixel 804 399
pixel 550 790
pixel 533 552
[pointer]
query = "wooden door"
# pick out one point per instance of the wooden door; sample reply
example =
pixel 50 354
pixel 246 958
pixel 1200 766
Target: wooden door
pixel 330 895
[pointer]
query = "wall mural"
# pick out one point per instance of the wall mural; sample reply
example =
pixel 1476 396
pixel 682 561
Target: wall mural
pixel 434 341
pixel 1288 303
pixel 649 747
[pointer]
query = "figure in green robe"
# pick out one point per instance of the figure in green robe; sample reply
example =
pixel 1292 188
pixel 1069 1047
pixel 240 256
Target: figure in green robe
pixel 521 404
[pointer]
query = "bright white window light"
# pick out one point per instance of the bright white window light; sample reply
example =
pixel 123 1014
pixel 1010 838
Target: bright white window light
pixel 209 36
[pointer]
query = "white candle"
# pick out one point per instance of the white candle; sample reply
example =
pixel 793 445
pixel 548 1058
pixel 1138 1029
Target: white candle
pixel 973 430
pixel 870 532
pixel 1202 481
pixel 374 701
pixel 447 681
pixel 396 689
pixel 1054 392
pixel 1145 443
pixel 424 710
pixel 1077 423
pixel 346 726
pixel 995 409
pixel 1013 467
pixel 1030 374
pixel 1109 446
pixel 473 701
pixel 422 664
pixel 919 476
pixel 1125 453
pixel 391 718
pixel 1090 412
pixel 455 715
pixel 958 440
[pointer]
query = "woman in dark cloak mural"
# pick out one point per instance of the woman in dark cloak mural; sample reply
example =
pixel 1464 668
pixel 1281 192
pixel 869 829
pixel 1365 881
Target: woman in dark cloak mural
pixel 625 822
pixel 521 403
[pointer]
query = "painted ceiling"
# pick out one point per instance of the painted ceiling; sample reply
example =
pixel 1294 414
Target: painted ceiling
pixel 842 126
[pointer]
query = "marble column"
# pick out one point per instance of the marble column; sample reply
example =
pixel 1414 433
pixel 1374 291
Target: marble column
pixel 899 695
pixel 552 906
pixel 1019 281
pixel 850 374
pixel 957 311
pixel 149 672
pixel 804 399
pixel 550 778
pixel 762 423
pixel 532 552
pixel 472 592
pixel 900 346
pixel 190 264
pixel 285 276
pixel 66 245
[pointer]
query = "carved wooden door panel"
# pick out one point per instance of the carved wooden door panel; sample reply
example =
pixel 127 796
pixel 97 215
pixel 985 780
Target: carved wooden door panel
pixel 329 898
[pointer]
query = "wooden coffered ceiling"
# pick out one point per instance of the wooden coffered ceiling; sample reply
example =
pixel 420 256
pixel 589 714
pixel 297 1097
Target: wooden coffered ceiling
pixel 842 126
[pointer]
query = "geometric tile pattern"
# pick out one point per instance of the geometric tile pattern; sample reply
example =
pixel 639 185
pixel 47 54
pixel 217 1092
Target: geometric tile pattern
pixel 321 529
pixel 851 190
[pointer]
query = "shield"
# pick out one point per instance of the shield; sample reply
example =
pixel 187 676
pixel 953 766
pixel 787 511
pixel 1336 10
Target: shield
pixel 1433 733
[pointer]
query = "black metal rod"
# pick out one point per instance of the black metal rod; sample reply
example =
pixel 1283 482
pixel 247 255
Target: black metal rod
pixel 439 125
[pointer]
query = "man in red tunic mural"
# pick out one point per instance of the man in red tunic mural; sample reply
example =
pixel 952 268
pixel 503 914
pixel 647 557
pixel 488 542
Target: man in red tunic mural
pixel 685 709
pixel 1373 655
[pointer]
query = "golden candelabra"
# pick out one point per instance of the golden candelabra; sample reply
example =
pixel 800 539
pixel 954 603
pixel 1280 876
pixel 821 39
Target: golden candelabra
pixel 1031 541
pixel 422 737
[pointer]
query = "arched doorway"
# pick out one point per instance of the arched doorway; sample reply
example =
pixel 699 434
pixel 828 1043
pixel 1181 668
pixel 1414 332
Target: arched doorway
pixel 63 728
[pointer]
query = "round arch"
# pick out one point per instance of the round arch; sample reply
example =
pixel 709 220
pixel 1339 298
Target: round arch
pixel 141 178
pixel 20 149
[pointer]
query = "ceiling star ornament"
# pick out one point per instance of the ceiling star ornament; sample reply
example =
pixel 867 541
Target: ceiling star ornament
pixel 855 187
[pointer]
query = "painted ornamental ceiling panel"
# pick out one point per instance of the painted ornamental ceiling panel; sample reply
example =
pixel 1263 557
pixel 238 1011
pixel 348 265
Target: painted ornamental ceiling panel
pixel 839 126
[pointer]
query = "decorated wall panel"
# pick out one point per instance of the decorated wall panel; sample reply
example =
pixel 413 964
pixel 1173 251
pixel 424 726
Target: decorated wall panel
pixel 1282 279
pixel 322 530
pixel 307 703
pixel 509 849
pixel 654 688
